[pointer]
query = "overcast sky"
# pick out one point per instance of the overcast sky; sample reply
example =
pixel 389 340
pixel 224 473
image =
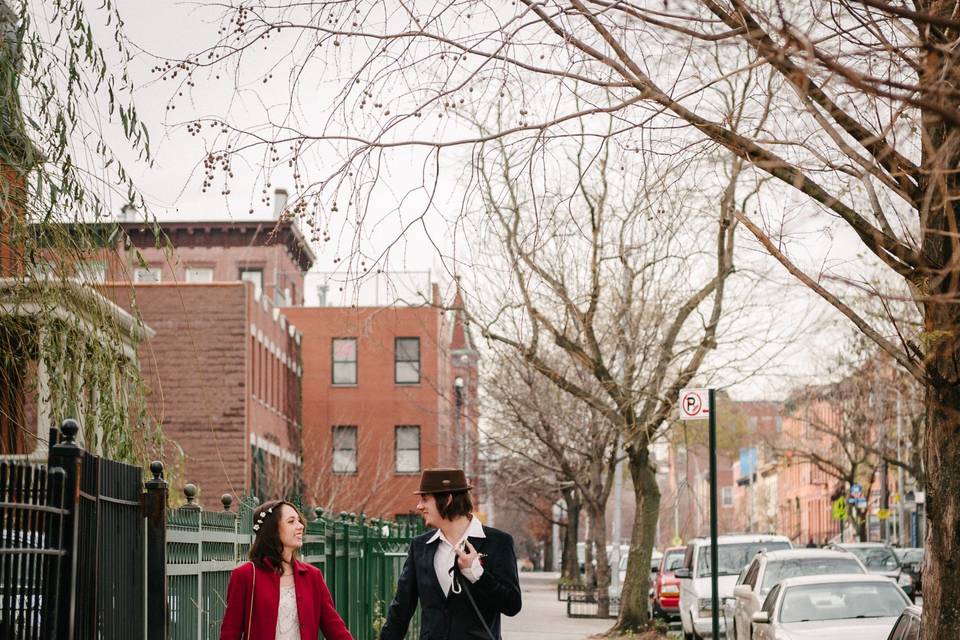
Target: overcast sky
pixel 165 29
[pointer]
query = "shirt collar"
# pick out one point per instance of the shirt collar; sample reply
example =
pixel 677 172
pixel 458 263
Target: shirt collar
pixel 474 530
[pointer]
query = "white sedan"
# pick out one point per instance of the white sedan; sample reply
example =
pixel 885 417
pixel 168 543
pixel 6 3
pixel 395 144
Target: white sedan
pixel 847 607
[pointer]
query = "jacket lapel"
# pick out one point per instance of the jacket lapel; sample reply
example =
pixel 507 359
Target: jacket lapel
pixel 427 572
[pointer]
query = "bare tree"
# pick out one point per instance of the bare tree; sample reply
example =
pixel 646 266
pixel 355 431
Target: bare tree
pixel 595 293
pixel 864 136
pixel 558 446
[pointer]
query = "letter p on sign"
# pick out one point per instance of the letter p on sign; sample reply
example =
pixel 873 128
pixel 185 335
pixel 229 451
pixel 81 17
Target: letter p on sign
pixel 694 404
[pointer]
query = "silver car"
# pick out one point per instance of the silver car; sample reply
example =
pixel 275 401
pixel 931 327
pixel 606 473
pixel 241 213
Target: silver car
pixel 847 607
pixel 769 568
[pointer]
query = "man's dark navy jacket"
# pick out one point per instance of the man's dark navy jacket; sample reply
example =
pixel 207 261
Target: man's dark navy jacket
pixel 452 617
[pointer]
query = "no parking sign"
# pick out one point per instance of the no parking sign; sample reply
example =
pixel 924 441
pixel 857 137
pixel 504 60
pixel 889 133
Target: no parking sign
pixel 694 404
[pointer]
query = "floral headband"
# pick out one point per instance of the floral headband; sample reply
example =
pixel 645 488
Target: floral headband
pixel 260 518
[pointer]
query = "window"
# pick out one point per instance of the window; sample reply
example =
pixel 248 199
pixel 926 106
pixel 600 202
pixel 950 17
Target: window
pixel 146 274
pixel 255 276
pixel 345 449
pixel 344 361
pixel 726 496
pixel 408 449
pixel 92 271
pixel 407 362
pixel 199 274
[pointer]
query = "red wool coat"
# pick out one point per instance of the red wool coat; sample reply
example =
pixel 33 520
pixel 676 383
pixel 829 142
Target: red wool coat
pixel 314 605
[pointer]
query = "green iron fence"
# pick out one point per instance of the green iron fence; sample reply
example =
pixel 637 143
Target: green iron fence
pixel 361 560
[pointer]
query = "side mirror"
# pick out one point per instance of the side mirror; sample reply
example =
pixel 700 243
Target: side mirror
pixel 742 591
pixel 760 617
pixel 655 569
pixel 682 574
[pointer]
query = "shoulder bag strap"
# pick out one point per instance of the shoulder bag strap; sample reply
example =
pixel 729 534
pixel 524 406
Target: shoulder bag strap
pixel 253 589
pixel 457 577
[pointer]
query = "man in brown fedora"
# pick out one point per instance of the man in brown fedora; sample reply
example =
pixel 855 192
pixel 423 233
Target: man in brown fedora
pixel 463 574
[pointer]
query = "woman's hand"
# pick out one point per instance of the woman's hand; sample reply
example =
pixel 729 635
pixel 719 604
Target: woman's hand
pixel 466 558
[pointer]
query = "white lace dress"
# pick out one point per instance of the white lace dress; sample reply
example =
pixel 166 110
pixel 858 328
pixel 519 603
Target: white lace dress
pixel 288 623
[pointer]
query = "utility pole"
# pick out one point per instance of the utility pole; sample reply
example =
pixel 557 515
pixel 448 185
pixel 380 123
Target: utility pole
pixel 696 404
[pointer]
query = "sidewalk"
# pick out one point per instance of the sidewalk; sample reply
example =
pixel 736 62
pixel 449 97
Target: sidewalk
pixel 543 617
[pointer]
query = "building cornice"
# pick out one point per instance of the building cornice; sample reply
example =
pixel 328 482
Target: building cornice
pixel 214 233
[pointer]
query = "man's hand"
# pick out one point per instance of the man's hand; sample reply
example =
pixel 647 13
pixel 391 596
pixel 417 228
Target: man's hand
pixel 466 558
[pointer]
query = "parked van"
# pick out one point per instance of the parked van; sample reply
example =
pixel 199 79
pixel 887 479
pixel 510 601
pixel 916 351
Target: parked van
pixel 734 552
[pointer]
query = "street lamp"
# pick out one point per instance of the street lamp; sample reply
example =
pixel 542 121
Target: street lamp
pixel 461 432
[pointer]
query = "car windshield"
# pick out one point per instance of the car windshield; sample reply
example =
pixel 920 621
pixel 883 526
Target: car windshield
pixel 876 558
pixel 733 557
pixel 673 561
pixel 778 570
pixel 841 600
pixel 910 556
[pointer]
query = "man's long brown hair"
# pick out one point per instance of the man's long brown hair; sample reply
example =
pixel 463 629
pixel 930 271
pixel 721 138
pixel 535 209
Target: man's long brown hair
pixel 266 552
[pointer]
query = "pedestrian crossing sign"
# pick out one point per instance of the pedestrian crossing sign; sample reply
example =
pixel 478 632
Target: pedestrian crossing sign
pixel 839 511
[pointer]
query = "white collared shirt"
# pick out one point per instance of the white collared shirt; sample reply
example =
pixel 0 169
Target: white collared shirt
pixel 445 556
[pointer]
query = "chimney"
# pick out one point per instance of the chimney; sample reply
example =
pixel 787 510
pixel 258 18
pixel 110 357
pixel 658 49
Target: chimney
pixel 279 202
pixel 128 213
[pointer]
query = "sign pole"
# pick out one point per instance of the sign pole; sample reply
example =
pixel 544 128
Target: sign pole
pixel 713 516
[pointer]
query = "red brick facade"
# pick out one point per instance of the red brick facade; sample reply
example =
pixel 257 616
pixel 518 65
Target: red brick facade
pixel 222 378
pixel 376 405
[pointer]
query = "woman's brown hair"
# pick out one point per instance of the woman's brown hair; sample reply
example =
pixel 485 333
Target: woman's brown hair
pixel 266 551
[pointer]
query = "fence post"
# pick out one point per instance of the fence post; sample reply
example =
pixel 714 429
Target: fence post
pixel 155 510
pixel 68 455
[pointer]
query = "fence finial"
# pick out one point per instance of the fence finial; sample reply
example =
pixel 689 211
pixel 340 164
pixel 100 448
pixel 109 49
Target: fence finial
pixel 156 468
pixel 69 428
pixel 190 493
pixel 226 500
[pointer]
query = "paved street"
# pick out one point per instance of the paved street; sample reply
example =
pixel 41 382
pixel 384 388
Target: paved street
pixel 544 617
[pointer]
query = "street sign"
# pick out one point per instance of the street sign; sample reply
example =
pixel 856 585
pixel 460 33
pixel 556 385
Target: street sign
pixel 883 514
pixel 861 503
pixel 856 490
pixel 694 404
pixel 839 511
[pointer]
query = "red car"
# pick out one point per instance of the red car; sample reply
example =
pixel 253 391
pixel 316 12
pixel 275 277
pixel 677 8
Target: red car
pixel 665 596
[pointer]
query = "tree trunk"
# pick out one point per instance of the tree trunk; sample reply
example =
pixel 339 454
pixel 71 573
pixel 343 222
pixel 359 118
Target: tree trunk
pixel 599 531
pixel 570 566
pixel 634 615
pixel 941 571
pixel 940 284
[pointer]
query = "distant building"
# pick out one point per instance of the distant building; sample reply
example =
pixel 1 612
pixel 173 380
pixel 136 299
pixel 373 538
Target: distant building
pixel 388 391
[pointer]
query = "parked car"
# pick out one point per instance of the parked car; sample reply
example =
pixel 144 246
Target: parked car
pixel 843 607
pixel 908 625
pixel 769 568
pixel 911 563
pixel 880 559
pixel 665 593
pixel 734 552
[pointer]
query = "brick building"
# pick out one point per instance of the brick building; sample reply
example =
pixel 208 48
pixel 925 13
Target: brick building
pixel 387 391
pixel 223 370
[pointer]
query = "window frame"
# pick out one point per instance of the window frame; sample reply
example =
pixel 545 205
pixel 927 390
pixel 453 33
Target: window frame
pixel 334 362
pixel 396 449
pixel 242 270
pixel 724 493
pixel 189 268
pixel 150 269
pixel 397 361
pixel 333 449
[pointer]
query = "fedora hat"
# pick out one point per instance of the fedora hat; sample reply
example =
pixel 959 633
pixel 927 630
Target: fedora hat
pixel 443 481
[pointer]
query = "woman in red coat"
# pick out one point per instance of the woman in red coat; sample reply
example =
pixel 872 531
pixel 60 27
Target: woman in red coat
pixel 275 596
